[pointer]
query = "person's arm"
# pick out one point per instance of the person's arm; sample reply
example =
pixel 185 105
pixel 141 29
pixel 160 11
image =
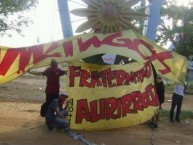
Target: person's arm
pixel 58 112
pixel 64 72
pixel 34 72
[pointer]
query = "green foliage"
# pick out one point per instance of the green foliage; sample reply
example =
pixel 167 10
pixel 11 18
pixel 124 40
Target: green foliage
pixel 183 115
pixel 169 88
pixel 177 27
pixel 13 14
pixel 96 59
pixel 165 113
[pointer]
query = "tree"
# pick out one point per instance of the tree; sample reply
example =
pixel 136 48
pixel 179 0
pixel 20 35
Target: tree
pixel 177 27
pixel 12 14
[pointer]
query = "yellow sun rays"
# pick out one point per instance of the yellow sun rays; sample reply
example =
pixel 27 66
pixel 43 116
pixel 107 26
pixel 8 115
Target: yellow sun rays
pixel 108 15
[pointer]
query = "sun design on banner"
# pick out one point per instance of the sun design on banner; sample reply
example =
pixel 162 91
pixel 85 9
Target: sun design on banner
pixel 109 16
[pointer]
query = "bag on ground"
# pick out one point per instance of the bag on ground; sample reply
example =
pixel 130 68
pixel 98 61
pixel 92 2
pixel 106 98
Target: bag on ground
pixel 44 108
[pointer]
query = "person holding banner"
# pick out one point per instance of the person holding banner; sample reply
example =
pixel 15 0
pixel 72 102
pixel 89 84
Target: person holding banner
pixel 177 99
pixel 57 113
pixel 160 88
pixel 53 74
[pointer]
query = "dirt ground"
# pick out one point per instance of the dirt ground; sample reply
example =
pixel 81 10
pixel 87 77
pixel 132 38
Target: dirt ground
pixel 21 124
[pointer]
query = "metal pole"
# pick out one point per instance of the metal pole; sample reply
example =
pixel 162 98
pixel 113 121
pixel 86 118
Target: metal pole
pixel 65 18
pixel 154 19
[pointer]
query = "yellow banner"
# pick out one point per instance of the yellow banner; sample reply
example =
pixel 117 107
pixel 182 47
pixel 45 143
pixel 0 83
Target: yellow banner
pixel 16 61
pixel 112 96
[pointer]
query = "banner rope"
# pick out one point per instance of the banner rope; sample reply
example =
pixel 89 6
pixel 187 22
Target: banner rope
pixel 152 136
pixel 76 136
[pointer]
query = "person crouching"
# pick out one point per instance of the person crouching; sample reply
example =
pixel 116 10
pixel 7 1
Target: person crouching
pixel 57 113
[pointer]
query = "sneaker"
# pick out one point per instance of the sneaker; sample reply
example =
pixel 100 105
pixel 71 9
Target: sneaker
pixel 155 125
pixel 51 129
pixel 150 124
pixel 171 120
pixel 66 129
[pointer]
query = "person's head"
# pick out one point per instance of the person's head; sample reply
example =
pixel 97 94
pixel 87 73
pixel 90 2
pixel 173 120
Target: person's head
pixel 53 63
pixel 62 99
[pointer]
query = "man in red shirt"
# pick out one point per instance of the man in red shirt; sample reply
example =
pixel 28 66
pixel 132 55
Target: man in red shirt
pixel 53 74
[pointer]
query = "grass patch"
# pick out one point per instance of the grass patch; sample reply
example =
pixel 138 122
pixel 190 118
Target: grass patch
pixel 183 115
pixel 170 87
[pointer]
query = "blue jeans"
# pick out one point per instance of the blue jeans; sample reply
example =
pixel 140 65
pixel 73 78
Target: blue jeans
pixel 59 122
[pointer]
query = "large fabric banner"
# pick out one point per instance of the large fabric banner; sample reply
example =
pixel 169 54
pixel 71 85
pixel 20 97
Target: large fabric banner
pixel 16 61
pixel 112 96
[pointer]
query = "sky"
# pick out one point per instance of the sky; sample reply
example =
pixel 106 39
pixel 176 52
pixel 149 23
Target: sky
pixel 46 24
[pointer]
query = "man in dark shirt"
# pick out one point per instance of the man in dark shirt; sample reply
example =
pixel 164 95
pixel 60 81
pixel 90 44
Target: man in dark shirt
pixel 53 74
pixel 160 88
